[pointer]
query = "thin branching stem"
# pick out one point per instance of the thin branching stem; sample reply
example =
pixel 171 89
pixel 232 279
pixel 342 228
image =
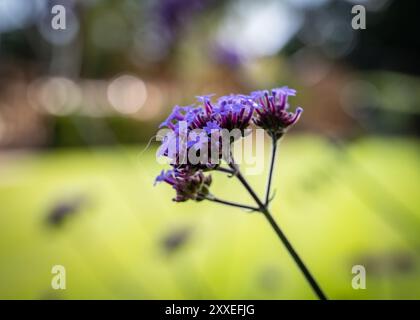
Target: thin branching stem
pixel 270 174
pixel 230 203
pixel 225 170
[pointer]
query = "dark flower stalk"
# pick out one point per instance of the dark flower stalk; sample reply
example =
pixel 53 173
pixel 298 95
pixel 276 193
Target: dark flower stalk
pixel 263 208
pixel 268 110
pixel 271 170
pixel 230 203
pixel 273 116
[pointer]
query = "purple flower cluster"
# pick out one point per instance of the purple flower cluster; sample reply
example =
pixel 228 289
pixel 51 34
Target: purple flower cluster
pixel 273 114
pixel 236 111
pixel 228 113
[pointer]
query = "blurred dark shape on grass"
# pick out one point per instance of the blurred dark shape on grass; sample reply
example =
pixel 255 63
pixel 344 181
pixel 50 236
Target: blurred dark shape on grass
pixel 175 239
pixel 389 263
pixel 65 208
pixel 269 279
pixel 52 294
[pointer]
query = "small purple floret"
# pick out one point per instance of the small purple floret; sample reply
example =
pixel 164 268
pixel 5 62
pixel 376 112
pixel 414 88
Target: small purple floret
pixel 272 114
pixel 188 185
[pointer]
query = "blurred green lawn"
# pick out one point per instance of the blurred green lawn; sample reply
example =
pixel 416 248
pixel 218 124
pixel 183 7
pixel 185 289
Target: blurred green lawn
pixel 339 209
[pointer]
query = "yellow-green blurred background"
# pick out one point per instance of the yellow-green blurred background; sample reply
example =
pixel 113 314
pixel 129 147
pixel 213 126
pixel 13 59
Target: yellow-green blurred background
pixel 79 109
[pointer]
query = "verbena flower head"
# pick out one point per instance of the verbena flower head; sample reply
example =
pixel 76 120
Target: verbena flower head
pixel 272 112
pixel 196 133
pixel 234 111
pixel 188 185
